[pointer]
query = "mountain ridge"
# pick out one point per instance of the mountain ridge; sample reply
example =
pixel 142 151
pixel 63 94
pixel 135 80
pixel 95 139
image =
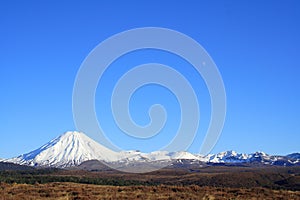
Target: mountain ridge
pixel 73 148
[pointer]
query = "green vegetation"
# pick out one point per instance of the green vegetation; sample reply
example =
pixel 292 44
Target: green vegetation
pixel 48 176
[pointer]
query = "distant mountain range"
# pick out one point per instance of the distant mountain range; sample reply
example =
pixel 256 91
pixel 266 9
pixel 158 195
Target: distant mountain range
pixel 74 148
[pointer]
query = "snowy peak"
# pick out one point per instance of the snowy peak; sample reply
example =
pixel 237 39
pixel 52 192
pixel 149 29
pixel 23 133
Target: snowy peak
pixel 228 157
pixel 69 149
pixel 294 156
pixel 183 155
pixel 72 148
pixel 165 155
pixel 257 158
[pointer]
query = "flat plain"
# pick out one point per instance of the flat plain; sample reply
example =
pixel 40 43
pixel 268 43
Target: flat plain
pixel 210 182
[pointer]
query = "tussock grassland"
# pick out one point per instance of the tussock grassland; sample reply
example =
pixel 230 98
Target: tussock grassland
pixel 66 191
pixel 213 182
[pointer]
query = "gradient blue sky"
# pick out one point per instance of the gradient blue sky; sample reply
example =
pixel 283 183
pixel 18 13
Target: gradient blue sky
pixel 255 45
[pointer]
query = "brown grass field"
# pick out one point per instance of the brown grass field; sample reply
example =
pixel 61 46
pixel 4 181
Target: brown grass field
pixel 211 182
pixel 64 191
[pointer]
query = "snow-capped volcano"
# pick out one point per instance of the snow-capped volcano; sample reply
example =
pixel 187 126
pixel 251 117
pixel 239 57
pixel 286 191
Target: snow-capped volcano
pixel 72 148
pixel 69 149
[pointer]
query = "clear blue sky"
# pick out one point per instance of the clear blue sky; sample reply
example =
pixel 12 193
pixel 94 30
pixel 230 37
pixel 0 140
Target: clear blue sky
pixel 255 44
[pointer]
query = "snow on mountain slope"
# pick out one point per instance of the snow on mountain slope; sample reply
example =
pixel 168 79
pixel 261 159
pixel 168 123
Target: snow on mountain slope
pixel 228 157
pixel 294 156
pixel 262 157
pixel 73 148
pixel 131 156
pixel 164 155
pixel 157 155
pixel 183 155
pixel 69 149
